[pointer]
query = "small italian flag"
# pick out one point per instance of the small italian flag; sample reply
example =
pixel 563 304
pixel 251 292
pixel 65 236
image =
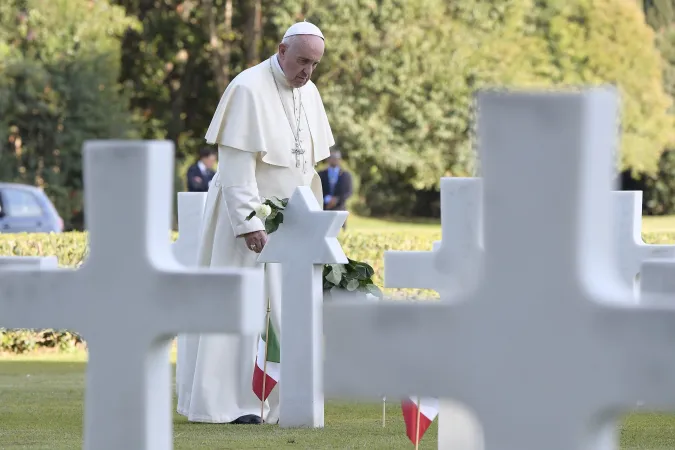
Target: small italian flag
pixel 428 410
pixel 273 369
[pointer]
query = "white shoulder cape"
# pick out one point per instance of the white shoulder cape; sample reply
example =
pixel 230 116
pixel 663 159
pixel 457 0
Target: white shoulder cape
pixel 250 117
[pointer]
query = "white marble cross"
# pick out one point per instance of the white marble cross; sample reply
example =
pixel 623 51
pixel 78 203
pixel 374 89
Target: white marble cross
pixel 457 255
pixel 304 242
pixel 185 250
pixel 450 268
pixel 631 249
pixel 131 296
pixel 462 241
pixel 453 263
pixel 549 348
pixel 190 215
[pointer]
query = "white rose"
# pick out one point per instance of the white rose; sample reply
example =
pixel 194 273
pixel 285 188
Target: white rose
pixel 263 211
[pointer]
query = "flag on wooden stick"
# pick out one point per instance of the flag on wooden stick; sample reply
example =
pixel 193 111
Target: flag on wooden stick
pixel 267 371
pixel 418 420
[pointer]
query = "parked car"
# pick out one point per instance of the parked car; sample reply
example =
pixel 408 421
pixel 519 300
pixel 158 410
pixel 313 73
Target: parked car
pixel 27 209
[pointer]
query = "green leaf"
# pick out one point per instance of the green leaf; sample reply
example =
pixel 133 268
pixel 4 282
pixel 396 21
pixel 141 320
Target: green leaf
pixel 361 272
pixel 363 268
pixel 335 275
pixel 374 290
pixel 250 216
pixel 271 226
pixel 275 203
pixel 351 276
pixel 352 285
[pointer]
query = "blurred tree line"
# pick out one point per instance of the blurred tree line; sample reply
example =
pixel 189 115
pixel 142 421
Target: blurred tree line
pixel 60 62
pixel 397 80
pixel 659 187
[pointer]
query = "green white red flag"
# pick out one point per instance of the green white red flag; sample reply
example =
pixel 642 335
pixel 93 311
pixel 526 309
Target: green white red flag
pixel 272 370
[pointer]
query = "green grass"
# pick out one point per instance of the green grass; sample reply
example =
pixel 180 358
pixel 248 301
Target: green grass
pixel 41 401
pixel 358 223
pixel 650 224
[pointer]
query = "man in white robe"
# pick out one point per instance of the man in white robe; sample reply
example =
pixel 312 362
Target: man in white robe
pixel 271 130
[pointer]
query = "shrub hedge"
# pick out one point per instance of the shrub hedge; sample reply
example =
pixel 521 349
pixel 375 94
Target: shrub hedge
pixel 71 250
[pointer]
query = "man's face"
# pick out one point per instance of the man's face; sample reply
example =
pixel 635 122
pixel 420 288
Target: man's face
pixel 334 161
pixel 210 161
pixel 300 58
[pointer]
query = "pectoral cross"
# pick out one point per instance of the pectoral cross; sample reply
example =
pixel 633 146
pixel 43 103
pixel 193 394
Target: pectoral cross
pixel 297 151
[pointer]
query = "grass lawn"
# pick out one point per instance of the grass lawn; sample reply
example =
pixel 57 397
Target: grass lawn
pixel 650 224
pixel 41 400
pixel 358 223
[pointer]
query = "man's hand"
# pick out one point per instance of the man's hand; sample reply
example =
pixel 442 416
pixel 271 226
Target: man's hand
pixel 256 240
pixel 332 202
pixel 197 180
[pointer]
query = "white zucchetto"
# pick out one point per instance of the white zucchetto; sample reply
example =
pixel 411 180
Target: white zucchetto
pixel 304 28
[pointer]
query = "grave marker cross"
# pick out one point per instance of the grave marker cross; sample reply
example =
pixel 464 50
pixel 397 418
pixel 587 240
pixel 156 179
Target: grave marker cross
pixel 458 253
pixel 457 257
pixel 452 264
pixel 304 242
pixel 185 250
pixel 451 268
pixel 130 297
pixel 190 214
pixel 548 349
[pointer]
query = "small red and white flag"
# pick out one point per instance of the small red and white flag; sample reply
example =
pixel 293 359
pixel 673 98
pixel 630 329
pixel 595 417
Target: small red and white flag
pixel 428 410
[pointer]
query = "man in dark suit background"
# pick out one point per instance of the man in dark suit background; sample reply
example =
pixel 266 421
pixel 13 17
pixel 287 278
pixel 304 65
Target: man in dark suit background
pixel 336 183
pixel 200 173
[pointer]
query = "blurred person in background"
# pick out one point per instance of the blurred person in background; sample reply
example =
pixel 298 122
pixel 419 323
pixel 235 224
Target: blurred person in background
pixel 201 173
pixel 336 183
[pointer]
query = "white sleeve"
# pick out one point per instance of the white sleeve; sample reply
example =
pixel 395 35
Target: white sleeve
pixel 240 189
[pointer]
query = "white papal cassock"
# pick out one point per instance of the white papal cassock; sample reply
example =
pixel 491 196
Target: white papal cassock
pixel 255 144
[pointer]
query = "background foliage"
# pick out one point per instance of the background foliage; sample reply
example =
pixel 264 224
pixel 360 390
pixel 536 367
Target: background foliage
pixel 659 188
pixel 59 67
pixel 397 79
